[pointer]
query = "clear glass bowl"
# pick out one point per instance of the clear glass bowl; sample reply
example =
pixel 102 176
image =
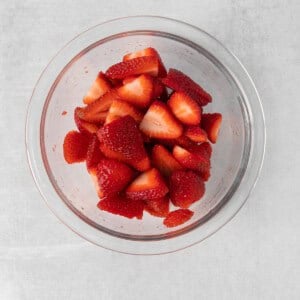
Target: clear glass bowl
pixel 236 160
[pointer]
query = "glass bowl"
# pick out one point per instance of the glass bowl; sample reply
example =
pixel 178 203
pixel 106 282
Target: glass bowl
pixel 237 156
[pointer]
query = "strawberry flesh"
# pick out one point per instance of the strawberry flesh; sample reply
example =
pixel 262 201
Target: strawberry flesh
pixel 94 155
pixel 178 217
pixel 211 123
pixel 196 134
pixel 84 126
pixel 158 207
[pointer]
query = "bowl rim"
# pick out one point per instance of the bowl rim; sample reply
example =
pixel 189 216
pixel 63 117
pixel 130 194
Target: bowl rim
pixel 72 220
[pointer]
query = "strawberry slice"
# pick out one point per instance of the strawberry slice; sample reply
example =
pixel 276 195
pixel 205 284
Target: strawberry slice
pixel 178 217
pixel 120 109
pixel 185 108
pixel 122 206
pixel 136 66
pixel 158 122
pixel 148 52
pixel 192 160
pixel 180 82
pixel 196 134
pixel 94 155
pixel 211 123
pixel 75 146
pixel 113 176
pixel 182 141
pixel 149 185
pixel 186 187
pixel 137 91
pixel 158 207
pixel 159 90
pixel 96 112
pixel 123 140
pixel 84 126
pixel 93 173
pixel 164 161
pixel 99 87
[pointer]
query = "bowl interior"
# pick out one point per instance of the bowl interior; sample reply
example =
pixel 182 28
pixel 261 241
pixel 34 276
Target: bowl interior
pixel 230 154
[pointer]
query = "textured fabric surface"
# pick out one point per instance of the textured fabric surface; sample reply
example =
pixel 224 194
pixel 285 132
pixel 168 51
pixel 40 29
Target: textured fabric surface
pixel 256 256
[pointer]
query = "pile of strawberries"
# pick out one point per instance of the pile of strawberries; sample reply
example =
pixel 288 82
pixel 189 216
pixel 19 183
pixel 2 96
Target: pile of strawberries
pixel 145 139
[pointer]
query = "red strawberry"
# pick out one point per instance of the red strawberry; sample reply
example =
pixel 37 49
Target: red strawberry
pixel 122 206
pixel 180 82
pixel 124 141
pixel 120 109
pixel 148 52
pixel 84 126
pixel 136 66
pixel 185 108
pixel 196 134
pixel 96 112
pixel 158 122
pixel 137 91
pixel 188 159
pixel 186 187
pixel 211 123
pixel 93 173
pixel 128 79
pixel 113 176
pixel 158 207
pixel 164 161
pixel 178 217
pixel 94 155
pixel 99 87
pixel 204 149
pixel 149 185
pixel 182 141
pixel 159 90
pixel 75 146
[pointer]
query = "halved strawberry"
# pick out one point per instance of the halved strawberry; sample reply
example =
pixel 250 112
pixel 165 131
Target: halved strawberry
pixel 120 109
pixel 136 66
pixel 164 161
pixel 137 91
pixel 186 187
pixel 158 207
pixel 158 122
pixel 124 141
pixel 122 206
pixel 113 176
pixel 94 155
pixel 84 126
pixel 96 112
pixel 196 134
pixel 189 159
pixel 99 87
pixel 180 82
pixel 178 217
pixel 75 146
pixel 185 108
pixel 149 185
pixel 148 52
pixel 211 123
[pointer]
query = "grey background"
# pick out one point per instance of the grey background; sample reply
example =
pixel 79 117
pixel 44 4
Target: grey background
pixel 256 256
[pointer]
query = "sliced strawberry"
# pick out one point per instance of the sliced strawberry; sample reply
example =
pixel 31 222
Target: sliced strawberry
pixel 186 187
pixel 96 112
pixel 99 87
pixel 93 173
pixel 122 206
pixel 149 185
pixel 158 207
pixel 158 122
pixel 113 176
pixel 148 52
pixel 211 123
pixel 94 155
pixel 182 141
pixel 185 108
pixel 164 161
pixel 159 91
pixel 120 109
pixel 84 126
pixel 128 79
pixel 124 141
pixel 191 160
pixel 206 147
pixel 196 134
pixel 178 217
pixel 75 146
pixel 136 66
pixel 137 91
pixel 180 82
